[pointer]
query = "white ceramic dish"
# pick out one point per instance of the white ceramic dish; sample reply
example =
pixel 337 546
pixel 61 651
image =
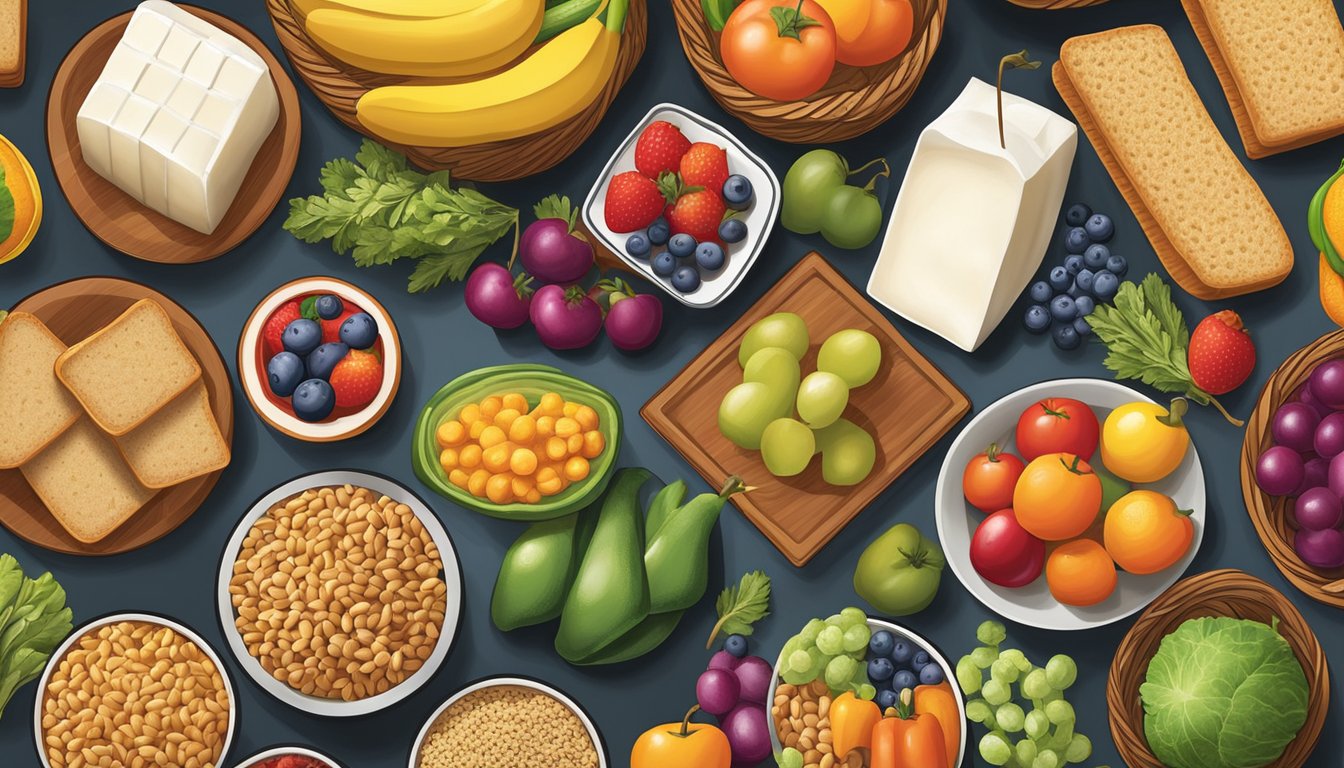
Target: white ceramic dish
pixel 148 618
pixel 901 632
pixel 281 750
pixel 760 217
pixel 519 682
pixel 252 368
pixel 452 577
pixel 1033 605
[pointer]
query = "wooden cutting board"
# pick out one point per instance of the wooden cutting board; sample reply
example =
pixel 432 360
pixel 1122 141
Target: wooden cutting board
pixel 907 407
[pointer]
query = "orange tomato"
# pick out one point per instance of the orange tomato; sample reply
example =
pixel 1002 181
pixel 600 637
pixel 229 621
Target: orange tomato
pixel 1080 573
pixel 989 479
pixel 869 32
pixel 1057 497
pixel 779 58
pixel 1145 532
pixel 682 744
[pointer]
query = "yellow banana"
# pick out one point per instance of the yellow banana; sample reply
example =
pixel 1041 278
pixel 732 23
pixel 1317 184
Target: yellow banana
pixel 485 38
pixel 549 87
pixel 408 9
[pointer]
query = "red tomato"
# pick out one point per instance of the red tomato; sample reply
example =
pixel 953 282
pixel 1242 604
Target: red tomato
pixel 989 479
pixel 1003 553
pixel 776 56
pixel 1058 425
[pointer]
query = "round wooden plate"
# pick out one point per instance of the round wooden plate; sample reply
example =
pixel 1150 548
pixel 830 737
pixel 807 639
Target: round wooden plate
pixel 73 310
pixel 119 220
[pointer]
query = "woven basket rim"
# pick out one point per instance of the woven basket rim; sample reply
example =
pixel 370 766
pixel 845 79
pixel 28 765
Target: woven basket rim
pixel 1056 5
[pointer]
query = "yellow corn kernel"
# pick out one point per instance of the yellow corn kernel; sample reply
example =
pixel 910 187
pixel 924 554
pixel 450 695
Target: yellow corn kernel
pixel 515 401
pixel 523 486
pixel 576 468
pixel 545 427
pixel 499 489
pixel 496 457
pixel 523 430
pixel 505 418
pixel 551 405
pixel 566 426
pixel 491 406
pixel 593 444
pixel 533 496
pixel 570 409
pixel 523 462
pixel 492 436
pixel 470 413
pixel 469 457
pixel 476 483
pixel 476 428
pixel 448 459
pixel 548 481
pixel 459 478
pixel 451 433
pixel 555 448
pixel 574 445
pixel 587 417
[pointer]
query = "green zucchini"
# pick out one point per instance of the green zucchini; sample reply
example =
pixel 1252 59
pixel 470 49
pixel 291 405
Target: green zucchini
pixel 564 14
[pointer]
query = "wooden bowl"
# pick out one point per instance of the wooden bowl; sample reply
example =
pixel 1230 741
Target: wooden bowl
pixel 1226 592
pixel 854 101
pixel 339 86
pixel 1055 5
pixel 1268 513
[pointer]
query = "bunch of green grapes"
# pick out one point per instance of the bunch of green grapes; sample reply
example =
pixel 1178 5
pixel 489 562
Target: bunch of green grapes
pixel 833 650
pixel 1043 737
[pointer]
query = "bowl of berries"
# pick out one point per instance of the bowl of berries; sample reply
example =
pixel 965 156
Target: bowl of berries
pixel 289 756
pixel 684 204
pixel 320 360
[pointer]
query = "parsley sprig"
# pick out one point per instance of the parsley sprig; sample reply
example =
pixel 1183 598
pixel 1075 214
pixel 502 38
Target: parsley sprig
pixel 741 606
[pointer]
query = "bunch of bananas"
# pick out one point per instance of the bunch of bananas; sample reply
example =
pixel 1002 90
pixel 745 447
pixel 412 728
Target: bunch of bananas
pixel 492 93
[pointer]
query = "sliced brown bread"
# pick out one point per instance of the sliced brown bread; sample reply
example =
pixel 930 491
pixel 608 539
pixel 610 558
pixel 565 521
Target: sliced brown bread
pixel 130 369
pixel 34 408
pixel 85 483
pixel 1207 219
pixel 1281 64
pixel 178 443
pixel 13 42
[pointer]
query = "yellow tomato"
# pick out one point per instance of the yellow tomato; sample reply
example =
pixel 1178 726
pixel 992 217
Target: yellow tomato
pixel 869 32
pixel 1144 442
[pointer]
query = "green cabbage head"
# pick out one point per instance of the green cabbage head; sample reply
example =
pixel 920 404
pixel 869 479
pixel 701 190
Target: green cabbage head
pixel 1223 693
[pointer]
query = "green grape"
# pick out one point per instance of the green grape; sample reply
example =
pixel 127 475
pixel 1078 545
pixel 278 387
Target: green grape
pixel 856 638
pixel 1061 672
pixel 787 447
pixel 1034 685
pixel 866 692
pixel 834 620
pixel 1025 751
pixel 983 657
pixel 831 641
pixel 995 749
pixel 1053 695
pixel 1059 740
pixel 790 758
pixel 1004 671
pixel 822 397
pixel 979 711
pixel 1046 758
pixel 796 678
pixel 1037 724
pixel 819 661
pixel 996 693
pixel 853 617
pixel 969 676
pixel 839 671
pixel 1010 717
pixel 851 354
pixel 1060 712
pixel 791 645
pixel 800 661
pixel 1016 658
pixel 810 631
pixel 991 633
pixel 1079 749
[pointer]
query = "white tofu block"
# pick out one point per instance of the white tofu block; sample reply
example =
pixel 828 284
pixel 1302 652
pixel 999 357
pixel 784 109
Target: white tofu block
pixel 205 64
pixel 124 141
pixel 124 67
pixel 156 146
pixel 93 124
pixel 156 83
pixel 178 47
pixel 146 32
pixel 187 168
pixel 186 99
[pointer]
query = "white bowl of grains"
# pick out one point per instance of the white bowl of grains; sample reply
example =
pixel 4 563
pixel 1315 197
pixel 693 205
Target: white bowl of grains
pixel 509 721
pixel 340 593
pixel 138 689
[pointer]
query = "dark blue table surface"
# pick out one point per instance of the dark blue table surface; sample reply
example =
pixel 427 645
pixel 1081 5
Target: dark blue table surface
pixel 176 575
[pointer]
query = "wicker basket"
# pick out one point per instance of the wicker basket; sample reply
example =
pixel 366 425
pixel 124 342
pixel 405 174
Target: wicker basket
pixel 1216 593
pixel 1055 5
pixel 1269 514
pixel 339 86
pixel 854 101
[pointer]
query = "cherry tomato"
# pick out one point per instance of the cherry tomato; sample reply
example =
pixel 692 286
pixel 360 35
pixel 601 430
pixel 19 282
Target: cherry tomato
pixel 1058 425
pixel 870 32
pixel 786 56
pixel 989 479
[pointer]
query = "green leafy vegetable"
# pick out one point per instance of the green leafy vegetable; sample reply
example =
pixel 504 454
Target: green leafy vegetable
pixel 33 620
pixel 557 207
pixel 379 210
pixel 1147 339
pixel 1223 693
pixel 741 606
pixel 6 208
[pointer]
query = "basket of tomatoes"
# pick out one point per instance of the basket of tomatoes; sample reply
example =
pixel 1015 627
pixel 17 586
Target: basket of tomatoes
pixel 811 71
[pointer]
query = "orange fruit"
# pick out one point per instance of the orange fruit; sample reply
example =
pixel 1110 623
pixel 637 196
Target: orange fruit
pixel 1057 497
pixel 21 181
pixel 1080 573
pixel 1145 532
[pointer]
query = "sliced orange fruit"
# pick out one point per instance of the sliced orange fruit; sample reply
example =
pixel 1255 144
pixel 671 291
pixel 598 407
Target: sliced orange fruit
pixel 21 182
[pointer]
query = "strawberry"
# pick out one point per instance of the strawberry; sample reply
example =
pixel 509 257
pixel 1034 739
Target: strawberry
pixel 696 212
pixel 1221 355
pixel 274 329
pixel 660 148
pixel 331 329
pixel 293 761
pixel 357 379
pixel 633 202
pixel 705 165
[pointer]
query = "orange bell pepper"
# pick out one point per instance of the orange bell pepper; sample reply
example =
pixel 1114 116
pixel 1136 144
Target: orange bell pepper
pixel 903 739
pixel 939 701
pixel 676 745
pixel 852 721
pixel 1332 292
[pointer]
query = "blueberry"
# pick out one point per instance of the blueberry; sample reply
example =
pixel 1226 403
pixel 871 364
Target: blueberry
pixel 1100 228
pixel 637 245
pixel 904 679
pixel 880 669
pixel 324 359
pixel 284 372
pixel 1081 327
pixel 1063 309
pixel 1077 240
pixel 681 245
pixel 659 231
pixel 314 400
pixel 931 674
pixel 1117 266
pixel 1065 336
pixel 1037 319
pixel 1095 256
pixel 1105 285
pixel 733 230
pixel 886 700
pixel 1060 279
pixel 921 660
pixel 302 336
pixel 1085 305
pixel 1075 292
pixel 1041 292
pixel 359 331
pixel 709 256
pixel 901 652
pixel 686 279
pixel 329 307
pixel 880 643
pixel 664 264
pixel 1077 215
pixel 1085 280
pixel 736 646
pixel 737 192
pixel 1073 263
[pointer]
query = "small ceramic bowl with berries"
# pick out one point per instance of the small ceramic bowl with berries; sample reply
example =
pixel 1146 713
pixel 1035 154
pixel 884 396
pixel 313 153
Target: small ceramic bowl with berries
pixel 289 756
pixel 685 204
pixel 320 360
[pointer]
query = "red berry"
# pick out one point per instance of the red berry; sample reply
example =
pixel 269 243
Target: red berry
pixel 697 214
pixel 357 378
pixel 273 333
pixel 705 165
pixel 331 329
pixel 1221 355
pixel 633 202
pixel 659 148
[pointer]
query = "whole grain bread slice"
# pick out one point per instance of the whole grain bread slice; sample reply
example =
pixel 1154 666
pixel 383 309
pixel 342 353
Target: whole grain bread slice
pixel 85 483
pixel 34 407
pixel 126 372
pixel 178 443
pixel 1205 216
pixel 1281 64
pixel 13 42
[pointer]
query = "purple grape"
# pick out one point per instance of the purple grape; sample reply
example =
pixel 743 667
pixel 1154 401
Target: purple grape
pixel 1329 440
pixel 1303 395
pixel 723 660
pixel 1318 509
pixel 717 691
pixel 754 676
pixel 1316 475
pixel 1320 549
pixel 748 732
pixel 1295 426
pixel 1335 476
pixel 1280 471
pixel 1327 384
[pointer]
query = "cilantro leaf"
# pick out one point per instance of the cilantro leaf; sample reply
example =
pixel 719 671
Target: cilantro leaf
pixel 741 606
pixel 431 270
pixel 380 163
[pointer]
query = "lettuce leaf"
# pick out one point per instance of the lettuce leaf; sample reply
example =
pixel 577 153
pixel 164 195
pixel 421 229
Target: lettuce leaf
pixel 6 208
pixel 1223 693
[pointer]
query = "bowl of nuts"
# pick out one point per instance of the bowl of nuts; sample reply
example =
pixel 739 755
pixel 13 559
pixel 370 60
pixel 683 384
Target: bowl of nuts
pixel 340 593
pixel 134 686
pixel 510 721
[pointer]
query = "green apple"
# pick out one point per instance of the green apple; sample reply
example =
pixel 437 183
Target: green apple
pixel 898 574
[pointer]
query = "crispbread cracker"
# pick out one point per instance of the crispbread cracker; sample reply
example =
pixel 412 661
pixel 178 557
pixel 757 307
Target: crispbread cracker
pixel 85 484
pixel 12 32
pixel 34 407
pixel 180 442
pixel 126 372
pixel 1206 218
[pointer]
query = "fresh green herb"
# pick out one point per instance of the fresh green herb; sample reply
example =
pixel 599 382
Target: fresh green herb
pixel 380 210
pixel 741 606
pixel 33 620
pixel 6 208
pixel 1147 340
pixel 557 207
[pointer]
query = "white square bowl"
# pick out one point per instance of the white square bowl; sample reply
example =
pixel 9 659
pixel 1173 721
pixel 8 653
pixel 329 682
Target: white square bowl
pixel 759 218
